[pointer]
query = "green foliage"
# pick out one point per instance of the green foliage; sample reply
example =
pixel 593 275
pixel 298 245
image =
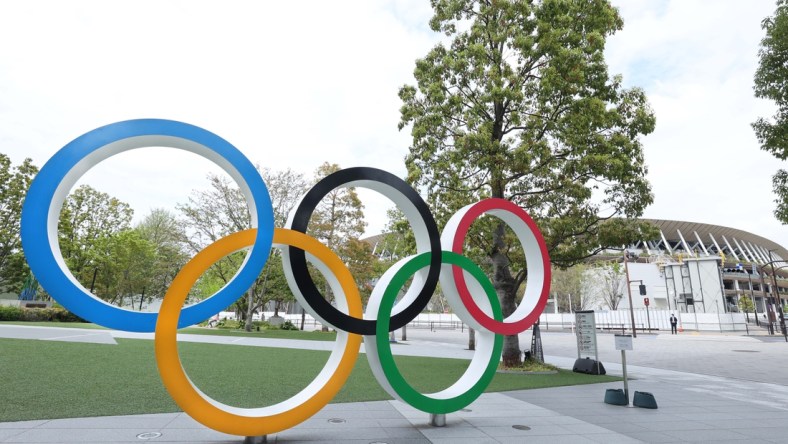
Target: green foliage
pixel 518 104
pixel 221 210
pixel 14 182
pixel 8 313
pixel 287 325
pixel 230 324
pixel 165 236
pixel 338 222
pixel 93 228
pixel 571 284
pixel 771 82
pixel 746 305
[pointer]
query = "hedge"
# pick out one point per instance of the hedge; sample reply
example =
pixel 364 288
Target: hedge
pixel 9 313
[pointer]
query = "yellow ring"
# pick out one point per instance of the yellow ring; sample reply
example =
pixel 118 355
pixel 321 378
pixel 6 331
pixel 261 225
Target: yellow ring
pixel 253 422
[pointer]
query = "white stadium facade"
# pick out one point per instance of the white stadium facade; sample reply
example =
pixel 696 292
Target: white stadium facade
pixel 709 266
pixel 698 271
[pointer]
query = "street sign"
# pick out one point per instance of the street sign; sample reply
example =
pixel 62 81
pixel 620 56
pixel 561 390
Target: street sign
pixel 624 342
pixel 586 333
pixel 645 302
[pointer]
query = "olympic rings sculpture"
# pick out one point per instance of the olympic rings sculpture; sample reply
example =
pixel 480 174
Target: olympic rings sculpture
pixel 438 259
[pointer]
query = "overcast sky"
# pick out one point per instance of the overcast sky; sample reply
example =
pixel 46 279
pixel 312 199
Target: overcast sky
pixel 295 84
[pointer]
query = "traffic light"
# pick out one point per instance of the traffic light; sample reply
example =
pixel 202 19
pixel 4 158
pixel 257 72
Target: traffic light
pixel 642 289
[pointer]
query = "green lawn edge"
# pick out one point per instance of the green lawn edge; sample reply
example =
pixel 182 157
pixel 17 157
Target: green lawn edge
pixel 49 380
pixel 307 335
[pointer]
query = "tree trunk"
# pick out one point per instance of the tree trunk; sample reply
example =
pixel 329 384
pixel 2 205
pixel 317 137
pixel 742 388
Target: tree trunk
pixel 249 310
pixel 506 286
pixel 471 339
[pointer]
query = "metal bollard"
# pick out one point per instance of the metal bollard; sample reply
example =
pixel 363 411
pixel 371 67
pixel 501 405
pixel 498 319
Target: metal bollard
pixel 437 419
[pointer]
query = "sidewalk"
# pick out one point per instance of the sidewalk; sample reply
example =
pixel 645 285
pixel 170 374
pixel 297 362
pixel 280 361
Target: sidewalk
pixel 692 408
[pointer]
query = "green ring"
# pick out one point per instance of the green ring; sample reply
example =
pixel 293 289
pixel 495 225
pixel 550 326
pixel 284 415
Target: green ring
pixel 395 378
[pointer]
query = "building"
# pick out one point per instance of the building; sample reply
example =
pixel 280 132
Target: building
pixel 704 268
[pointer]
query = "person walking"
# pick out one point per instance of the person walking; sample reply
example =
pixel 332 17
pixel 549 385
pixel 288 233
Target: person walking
pixel 673 322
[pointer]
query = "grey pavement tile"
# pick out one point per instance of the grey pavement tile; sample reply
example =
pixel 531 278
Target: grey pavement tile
pixel 625 427
pixel 704 435
pixel 559 420
pixel 9 433
pixel 584 429
pixel 23 424
pixel 767 433
pixel 459 440
pixel 396 422
pixel 559 439
pixel 76 436
pixel 598 419
pixel 508 422
pixel 452 432
pixel 613 438
pixel 112 422
pixel 536 430
pixel 776 415
pixel 504 432
pixel 739 441
pixel 653 437
pixel 191 435
pixel 743 424
pixel 677 425
pixel 713 416
pixel 368 434
pixel 183 421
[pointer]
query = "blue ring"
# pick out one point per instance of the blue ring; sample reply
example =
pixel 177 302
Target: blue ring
pixel 41 257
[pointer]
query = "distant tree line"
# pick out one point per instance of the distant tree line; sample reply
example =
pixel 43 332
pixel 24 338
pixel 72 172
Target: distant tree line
pixel 131 264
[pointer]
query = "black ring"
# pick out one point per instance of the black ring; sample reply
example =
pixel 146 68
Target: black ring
pixel 307 286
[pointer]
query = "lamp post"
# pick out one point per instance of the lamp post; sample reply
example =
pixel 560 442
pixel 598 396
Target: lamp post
pixel 776 294
pixel 629 293
pixel 752 298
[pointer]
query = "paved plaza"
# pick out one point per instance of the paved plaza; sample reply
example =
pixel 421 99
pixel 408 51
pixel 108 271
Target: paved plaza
pixel 709 387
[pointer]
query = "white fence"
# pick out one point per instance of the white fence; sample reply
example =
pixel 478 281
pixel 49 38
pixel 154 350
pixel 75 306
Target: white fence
pixel 653 320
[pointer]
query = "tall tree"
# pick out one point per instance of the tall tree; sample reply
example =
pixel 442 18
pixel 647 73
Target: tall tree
pixel 127 266
pixel 221 210
pixel 570 287
pixel 88 220
pixel 771 82
pixel 338 222
pixel 165 233
pixel 612 283
pixel 519 105
pixel 340 215
pixel 14 182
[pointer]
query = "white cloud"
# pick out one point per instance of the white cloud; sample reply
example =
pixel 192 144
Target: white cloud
pixel 294 84
pixel 696 61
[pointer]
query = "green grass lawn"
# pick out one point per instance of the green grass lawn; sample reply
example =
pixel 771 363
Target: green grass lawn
pixel 276 334
pixel 44 380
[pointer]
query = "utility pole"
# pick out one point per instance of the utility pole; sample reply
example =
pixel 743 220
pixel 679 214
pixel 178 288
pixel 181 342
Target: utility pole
pixel 629 293
pixel 776 296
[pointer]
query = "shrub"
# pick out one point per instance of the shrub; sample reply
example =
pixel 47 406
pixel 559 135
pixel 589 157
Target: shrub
pixel 8 313
pixel 287 325
pixel 229 324
pixel 37 315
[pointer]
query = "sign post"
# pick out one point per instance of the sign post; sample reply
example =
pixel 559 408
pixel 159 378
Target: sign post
pixel 586 335
pixel 648 318
pixel 624 343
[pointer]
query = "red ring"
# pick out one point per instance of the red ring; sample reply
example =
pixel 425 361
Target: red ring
pixel 505 328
